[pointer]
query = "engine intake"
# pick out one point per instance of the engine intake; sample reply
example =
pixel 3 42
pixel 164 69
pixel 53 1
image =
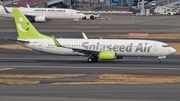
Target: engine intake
pixel 40 19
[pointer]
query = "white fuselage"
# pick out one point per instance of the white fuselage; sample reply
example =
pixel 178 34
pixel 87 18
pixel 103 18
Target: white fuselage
pixel 122 47
pixel 49 13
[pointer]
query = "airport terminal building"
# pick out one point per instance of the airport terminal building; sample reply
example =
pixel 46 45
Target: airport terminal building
pixel 135 6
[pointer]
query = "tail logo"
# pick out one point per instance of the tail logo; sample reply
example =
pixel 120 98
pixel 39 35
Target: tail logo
pixel 20 26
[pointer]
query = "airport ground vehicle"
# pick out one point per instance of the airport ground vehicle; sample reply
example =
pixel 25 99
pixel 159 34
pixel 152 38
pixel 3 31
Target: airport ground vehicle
pixel 92 16
pixel 165 10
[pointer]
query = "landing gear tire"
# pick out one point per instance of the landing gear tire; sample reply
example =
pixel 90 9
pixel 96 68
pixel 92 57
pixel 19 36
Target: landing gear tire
pixel 158 61
pixel 95 59
pixel 92 59
pixel 31 20
pixel 92 17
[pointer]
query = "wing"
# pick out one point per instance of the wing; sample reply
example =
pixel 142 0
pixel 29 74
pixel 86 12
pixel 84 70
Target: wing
pixel 84 51
pixel 27 15
pixel 31 15
pixel 80 50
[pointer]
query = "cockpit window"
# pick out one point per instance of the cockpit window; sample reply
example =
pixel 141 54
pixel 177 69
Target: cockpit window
pixel 78 12
pixel 165 45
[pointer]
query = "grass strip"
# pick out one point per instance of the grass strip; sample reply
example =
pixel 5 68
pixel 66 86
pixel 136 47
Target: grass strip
pixel 18 82
pixel 128 79
pixel 4 69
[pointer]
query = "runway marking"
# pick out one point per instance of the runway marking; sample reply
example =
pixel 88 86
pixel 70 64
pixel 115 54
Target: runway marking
pixel 83 67
pixel 4 69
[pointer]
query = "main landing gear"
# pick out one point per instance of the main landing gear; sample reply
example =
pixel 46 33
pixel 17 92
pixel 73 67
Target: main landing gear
pixel 158 61
pixel 32 20
pixel 93 59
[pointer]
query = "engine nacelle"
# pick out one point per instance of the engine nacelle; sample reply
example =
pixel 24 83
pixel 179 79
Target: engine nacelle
pixel 107 55
pixel 40 19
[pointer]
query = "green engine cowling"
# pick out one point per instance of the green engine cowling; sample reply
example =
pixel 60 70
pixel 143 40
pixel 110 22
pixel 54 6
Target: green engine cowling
pixel 107 55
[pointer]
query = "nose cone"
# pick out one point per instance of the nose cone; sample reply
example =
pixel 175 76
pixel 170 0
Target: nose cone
pixel 172 50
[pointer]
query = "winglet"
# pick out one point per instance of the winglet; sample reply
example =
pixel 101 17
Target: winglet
pixel 23 41
pixel 84 35
pixel 56 42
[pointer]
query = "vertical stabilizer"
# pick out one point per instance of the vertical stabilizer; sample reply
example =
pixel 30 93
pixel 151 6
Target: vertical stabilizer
pixel 25 29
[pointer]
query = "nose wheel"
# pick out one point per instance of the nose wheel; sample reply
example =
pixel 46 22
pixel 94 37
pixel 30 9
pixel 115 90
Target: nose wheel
pixel 93 59
pixel 159 58
pixel 158 61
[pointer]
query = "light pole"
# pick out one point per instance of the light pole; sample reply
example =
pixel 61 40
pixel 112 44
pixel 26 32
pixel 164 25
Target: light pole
pixel 142 8
pixel 70 4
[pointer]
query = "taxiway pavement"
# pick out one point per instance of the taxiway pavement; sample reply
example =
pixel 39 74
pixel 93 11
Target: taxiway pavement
pixel 119 23
pixel 168 92
pixel 34 62
pixel 31 62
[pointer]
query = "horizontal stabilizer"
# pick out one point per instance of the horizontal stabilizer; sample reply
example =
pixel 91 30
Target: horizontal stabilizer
pixel 18 40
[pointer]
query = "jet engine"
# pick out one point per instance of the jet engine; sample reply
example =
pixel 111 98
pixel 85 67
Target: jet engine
pixel 107 55
pixel 40 19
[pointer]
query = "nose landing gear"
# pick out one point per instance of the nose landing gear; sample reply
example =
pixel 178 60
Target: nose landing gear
pixel 158 61
pixel 159 58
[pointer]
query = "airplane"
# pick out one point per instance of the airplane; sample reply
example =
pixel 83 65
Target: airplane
pixel 43 14
pixel 94 49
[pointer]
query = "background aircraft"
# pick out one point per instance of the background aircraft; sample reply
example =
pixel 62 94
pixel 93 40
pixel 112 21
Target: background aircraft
pixel 43 14
pixel 95 49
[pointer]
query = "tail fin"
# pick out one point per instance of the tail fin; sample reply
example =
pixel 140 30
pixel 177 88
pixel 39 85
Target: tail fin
pixel 25 29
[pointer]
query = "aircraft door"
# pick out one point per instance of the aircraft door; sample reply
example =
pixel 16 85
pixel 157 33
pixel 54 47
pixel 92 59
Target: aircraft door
pixel 40 46
pixel 0 9
pixel 37 45
pixel 71 14
pixel 155 47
